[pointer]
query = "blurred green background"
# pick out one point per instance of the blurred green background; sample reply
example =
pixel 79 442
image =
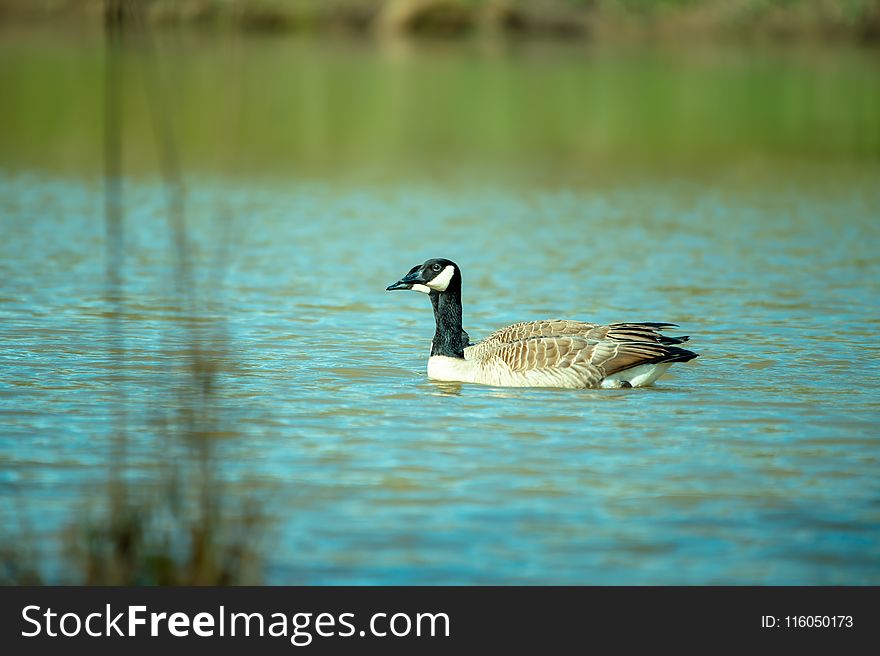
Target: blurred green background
pixel 305 99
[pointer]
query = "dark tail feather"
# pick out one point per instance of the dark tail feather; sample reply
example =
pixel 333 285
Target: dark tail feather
pixel 675 354
pixel 648 330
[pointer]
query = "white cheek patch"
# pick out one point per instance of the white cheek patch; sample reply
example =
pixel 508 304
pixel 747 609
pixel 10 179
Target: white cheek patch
pixel 421 288
pixel 441 281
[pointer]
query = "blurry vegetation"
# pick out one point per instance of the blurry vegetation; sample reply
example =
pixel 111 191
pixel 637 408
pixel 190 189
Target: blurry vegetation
pixel 162 541
pixel 568 18
pixel 181 526
pixel 18 560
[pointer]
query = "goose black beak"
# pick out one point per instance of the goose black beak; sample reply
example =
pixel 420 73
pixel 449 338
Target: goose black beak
pixel 400 284
pixel 407 282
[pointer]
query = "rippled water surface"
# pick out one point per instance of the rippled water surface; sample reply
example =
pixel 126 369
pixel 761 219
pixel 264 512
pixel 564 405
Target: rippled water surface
pixel 756 463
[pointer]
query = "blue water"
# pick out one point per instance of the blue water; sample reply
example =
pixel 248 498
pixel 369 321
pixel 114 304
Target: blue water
pixel 755 463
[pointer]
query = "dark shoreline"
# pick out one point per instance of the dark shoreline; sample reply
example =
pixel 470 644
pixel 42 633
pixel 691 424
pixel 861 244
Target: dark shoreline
pixel 853 20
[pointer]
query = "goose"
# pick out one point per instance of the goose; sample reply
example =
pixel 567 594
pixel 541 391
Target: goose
pixel 545 353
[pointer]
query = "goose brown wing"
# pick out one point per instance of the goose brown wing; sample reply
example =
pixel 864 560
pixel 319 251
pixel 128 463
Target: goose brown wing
pixel 611 355
pixel 543 328
pixel 567 355
pixel 592 360
pixel 649 332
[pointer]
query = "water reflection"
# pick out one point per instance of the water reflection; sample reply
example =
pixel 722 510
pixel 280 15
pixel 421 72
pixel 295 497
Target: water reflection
pixel 445 388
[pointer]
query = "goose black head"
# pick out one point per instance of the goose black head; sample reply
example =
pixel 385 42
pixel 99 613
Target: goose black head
pixel 435 275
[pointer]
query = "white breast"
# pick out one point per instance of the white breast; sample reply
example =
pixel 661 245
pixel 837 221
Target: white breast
pixel 441 367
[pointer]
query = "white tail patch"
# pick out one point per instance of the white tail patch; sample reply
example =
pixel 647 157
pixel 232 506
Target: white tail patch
pixel 441 280
pixel 639 376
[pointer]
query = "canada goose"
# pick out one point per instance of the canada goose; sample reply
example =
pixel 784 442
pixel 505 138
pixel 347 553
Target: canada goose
pixel 551 353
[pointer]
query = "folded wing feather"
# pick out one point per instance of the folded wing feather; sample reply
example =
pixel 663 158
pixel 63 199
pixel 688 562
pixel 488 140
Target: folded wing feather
pixel 586 350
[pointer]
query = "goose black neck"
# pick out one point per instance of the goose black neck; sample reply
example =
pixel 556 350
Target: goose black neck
pixel 448 336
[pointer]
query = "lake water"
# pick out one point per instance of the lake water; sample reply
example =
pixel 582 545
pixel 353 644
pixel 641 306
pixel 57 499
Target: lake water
pixel 756 463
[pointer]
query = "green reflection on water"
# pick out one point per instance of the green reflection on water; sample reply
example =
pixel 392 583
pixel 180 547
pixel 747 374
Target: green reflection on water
pixel 291 106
